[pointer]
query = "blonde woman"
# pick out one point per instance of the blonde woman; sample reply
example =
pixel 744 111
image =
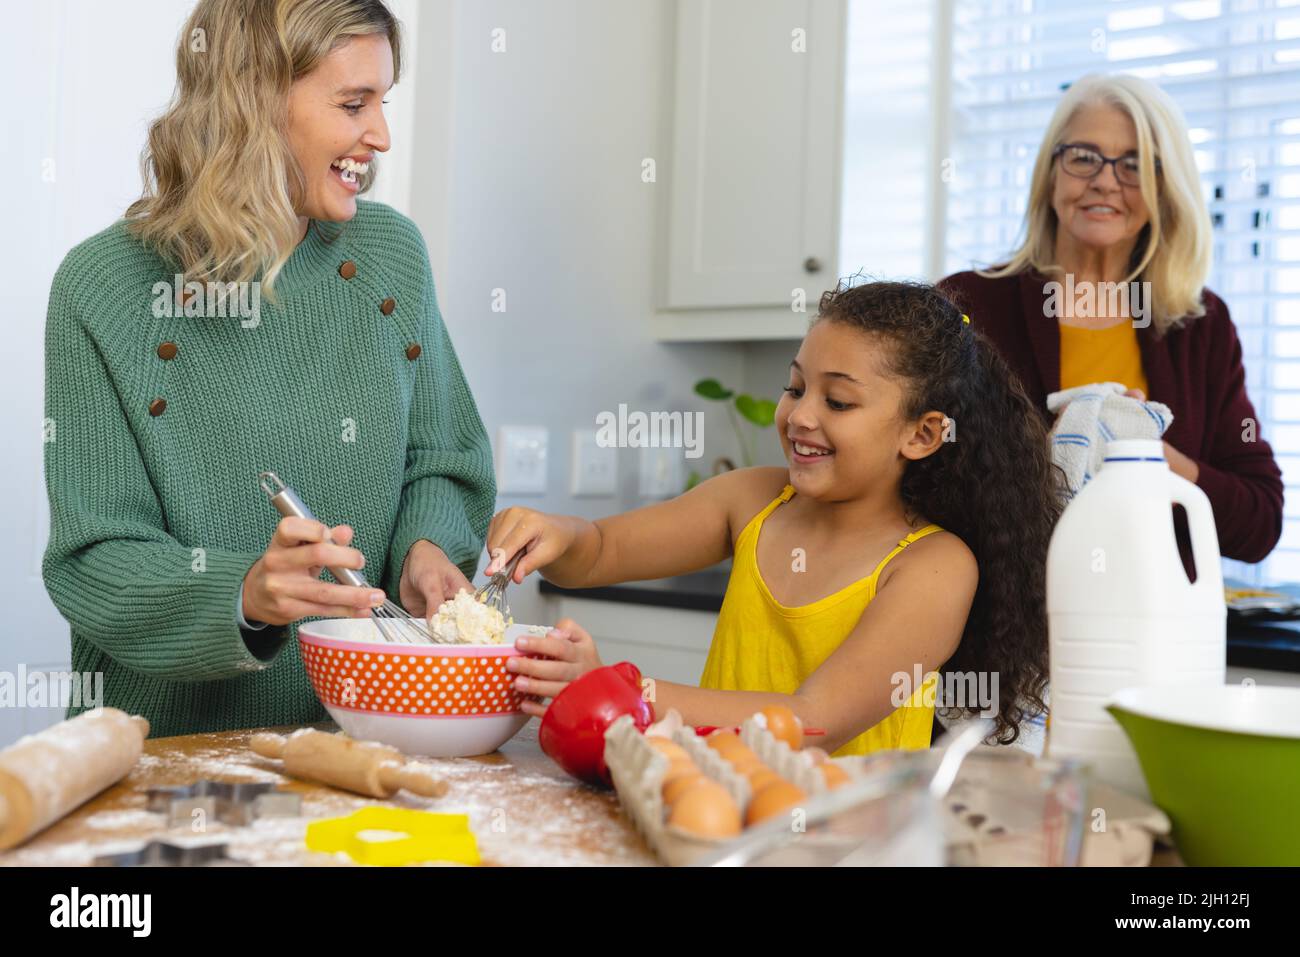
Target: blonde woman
pixel 1116 199
pixel 251 313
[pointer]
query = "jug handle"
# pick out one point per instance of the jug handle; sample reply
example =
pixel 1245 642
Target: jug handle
pixel 1204 552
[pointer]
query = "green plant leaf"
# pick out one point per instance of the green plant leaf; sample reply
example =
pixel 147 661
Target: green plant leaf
pixel 693 480
pixel 762 412
pixel 712 389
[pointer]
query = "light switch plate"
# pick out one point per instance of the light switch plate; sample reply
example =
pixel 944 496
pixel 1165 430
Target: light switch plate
pixel 660 474
pixel 595 467
pixel 521 460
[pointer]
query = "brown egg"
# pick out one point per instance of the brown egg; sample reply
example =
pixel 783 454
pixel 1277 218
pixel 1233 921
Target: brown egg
pixel 723 741
pixel 835 775
pixel 683 768
pixel 745 770
pixel 760 777
pixel 784 725
pixel 772 800
pixel 706 810
pixel 740 754
pixel 679 785
pixel 679 765
pixel 664 746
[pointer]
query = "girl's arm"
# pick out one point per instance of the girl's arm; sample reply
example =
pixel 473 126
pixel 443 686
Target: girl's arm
pixel 684 534
pixel 917 617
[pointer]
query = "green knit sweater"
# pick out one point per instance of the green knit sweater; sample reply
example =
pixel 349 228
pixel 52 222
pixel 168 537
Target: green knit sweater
pixel 156 513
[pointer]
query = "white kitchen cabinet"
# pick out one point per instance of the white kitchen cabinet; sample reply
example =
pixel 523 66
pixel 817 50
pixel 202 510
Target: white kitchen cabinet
pixel 753 185
pixel 670 644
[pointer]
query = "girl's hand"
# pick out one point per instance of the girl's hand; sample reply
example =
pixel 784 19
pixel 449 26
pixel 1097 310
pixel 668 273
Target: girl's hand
pixel 563 654
pixel 428 579
pixel 543 538
pixel 284 584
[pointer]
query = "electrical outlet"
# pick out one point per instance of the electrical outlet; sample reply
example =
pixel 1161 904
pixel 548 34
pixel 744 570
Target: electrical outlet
pixel 595 467
pixel 521 460
pixel 660 474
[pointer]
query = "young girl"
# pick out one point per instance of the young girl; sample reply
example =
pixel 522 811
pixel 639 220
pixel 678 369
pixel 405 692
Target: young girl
pixel 908 535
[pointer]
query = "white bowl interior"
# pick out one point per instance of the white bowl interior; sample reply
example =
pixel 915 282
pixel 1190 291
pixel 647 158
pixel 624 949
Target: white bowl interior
pixel 363 629
pixel 1239 709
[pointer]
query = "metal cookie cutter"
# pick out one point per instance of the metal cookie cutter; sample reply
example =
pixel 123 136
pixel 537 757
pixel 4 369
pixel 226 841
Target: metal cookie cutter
pixel 237 803
pixel 163 854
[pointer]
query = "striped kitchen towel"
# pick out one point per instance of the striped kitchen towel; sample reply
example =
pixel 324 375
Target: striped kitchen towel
pixel 1094 415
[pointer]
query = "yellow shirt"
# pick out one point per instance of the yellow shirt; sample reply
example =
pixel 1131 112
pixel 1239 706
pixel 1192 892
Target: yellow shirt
pixel 1102 355
pixel 761 645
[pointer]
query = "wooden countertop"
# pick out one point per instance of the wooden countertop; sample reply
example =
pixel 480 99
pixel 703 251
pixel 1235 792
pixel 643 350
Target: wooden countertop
pixel 522 808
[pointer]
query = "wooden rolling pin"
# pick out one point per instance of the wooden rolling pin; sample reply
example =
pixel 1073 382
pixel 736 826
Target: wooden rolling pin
pixel 44 776
pixel 365 767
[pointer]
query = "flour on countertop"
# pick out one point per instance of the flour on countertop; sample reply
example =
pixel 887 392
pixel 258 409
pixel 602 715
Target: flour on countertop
pixel 526 814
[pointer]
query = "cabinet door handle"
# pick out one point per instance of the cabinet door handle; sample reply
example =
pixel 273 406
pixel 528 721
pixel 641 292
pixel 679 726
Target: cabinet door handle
pixel 812 264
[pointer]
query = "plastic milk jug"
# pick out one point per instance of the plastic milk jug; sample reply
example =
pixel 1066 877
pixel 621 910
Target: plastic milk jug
pixel 1121 610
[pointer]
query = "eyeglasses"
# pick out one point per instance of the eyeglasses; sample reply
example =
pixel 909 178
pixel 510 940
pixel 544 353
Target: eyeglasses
pixel 1085 162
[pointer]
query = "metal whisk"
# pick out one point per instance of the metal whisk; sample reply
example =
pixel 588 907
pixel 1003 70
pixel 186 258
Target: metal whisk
pixel 394 622
pixel 493 594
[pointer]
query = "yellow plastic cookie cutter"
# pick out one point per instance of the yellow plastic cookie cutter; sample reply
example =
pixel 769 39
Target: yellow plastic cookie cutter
pixel 426 837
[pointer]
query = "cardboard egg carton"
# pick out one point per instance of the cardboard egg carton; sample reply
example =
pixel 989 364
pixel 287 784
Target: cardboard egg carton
pixel 797 767
pixel 638 772
pixel 983 823
pixel 714 765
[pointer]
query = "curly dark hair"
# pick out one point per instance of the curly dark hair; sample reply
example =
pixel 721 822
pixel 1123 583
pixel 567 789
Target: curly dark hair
pixel 992 483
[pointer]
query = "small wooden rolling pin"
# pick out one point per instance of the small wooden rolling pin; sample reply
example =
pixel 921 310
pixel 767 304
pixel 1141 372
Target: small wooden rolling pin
pixel 44 776
pixel 365 767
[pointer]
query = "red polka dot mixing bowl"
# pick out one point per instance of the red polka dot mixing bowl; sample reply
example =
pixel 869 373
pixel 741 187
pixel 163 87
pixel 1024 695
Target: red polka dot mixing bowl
pixel 434 700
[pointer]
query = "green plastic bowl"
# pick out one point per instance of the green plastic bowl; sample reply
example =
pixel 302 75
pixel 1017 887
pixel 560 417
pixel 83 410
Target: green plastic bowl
pixel 1224 764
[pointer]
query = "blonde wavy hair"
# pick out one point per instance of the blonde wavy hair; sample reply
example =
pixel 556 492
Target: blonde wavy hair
pixel 221 185
pixel 1173 250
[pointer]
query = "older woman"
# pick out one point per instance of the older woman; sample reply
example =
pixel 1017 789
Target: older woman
pixel 166 396
pixel 1115 198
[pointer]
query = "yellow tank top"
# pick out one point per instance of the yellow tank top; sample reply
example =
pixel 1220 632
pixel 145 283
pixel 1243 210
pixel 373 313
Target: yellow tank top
pixel 1102 355
pixel 761 645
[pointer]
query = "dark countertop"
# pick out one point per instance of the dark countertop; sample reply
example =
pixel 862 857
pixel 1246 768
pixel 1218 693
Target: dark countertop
pixel 701 591
pixel 1271 646
pixel 1274 646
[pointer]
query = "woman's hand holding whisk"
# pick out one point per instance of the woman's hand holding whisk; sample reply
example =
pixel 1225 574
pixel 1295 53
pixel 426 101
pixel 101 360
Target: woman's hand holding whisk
pixel 284 585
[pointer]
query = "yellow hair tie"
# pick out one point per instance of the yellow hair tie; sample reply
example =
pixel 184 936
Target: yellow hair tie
pixel 965 318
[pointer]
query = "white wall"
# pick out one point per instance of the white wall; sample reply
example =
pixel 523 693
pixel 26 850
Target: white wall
pixel 546 202
pixel 84 83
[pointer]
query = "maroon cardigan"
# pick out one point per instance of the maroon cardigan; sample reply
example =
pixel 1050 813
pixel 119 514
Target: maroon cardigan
pixel 1195 370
